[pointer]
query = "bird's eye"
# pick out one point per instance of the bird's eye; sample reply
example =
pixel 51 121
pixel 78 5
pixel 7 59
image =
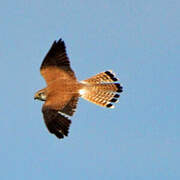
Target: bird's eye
pixel 41 94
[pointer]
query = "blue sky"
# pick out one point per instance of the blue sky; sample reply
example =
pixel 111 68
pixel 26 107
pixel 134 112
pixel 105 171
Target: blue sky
pixel 139 40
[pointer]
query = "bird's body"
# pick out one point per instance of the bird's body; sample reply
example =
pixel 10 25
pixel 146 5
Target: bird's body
pixel 63 90
pixel 60 92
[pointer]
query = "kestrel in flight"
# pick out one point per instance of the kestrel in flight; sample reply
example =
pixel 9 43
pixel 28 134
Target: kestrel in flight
pixel 63 90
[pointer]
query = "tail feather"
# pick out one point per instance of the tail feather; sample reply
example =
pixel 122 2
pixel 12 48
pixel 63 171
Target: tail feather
pixel 107 76
pixel 101 90
pixel 112 87
pixel 100 98
pixel 105 96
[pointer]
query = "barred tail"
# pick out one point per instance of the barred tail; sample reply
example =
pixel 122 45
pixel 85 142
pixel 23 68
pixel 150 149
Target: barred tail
pixel 101 90
pixel 107 76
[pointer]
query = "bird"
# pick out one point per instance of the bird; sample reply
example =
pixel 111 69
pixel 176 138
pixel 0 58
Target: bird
pixel 63 90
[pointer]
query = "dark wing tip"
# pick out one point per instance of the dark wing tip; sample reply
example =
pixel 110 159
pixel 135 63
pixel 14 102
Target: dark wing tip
pixel 60 42
pixel 56 123
pixel 56 56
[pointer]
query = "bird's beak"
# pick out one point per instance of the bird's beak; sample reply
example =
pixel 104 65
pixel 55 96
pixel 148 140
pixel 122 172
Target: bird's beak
pixel 35 97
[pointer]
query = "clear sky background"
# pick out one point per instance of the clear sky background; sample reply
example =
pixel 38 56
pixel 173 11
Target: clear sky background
pixel 140 41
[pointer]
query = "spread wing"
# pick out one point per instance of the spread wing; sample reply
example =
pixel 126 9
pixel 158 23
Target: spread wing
pixel 70 107
pixel 55 120
pixel 56 123
pixel 61 100
pixel 56 63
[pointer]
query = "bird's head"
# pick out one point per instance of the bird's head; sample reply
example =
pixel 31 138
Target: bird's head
pixel 41 95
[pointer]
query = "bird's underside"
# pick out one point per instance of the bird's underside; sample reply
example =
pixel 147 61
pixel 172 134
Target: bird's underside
pixel 63 90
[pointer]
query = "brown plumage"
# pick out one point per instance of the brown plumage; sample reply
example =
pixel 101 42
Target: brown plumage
pixel 63 90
